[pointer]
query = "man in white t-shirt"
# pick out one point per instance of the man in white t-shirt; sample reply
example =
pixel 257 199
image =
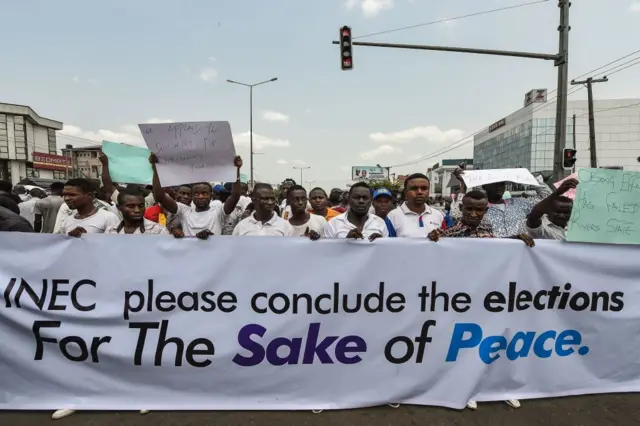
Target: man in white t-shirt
pixel 131 204
pixel 263 221
pixel 304 223
pixel 88 219
pixel 200 219
pixel 357 222
pixel 28 208
pixel 414 218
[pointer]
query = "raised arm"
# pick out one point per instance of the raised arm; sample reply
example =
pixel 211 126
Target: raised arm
pixel 108 184
pixel 158 191
pixel 236 190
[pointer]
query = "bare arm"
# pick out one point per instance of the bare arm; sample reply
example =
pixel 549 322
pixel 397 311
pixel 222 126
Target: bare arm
pixel 236 190
pixel 158 191
pixel 108 184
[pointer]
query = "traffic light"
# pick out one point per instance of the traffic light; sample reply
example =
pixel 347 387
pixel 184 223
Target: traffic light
pixel 568 158
pixel 346 54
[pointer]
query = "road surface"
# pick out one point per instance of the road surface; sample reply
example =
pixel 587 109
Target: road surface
pixel 600 410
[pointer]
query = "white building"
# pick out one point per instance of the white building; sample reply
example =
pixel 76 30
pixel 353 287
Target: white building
pixel 441 175
pixel 525 138
pixel 28 147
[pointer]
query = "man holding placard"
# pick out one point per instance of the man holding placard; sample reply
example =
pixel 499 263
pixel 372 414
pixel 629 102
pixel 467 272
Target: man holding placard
pixel 506 217
pixel 199 220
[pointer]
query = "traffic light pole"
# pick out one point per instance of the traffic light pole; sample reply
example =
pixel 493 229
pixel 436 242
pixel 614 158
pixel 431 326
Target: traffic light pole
pixel 592 122
pixel 561 60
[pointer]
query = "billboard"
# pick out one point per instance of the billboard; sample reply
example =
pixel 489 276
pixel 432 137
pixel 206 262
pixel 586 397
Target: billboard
pixel 536 95
pixel 45 161
pixel 368 173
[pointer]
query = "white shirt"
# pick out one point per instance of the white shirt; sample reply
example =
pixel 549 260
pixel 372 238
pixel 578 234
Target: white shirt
pixel 27 209
pixel 150 228
pixel 407 223
pixel 193 221
pixel 275 227
pixel 215 203
pixel 339 227
pixel 97 223
pixel 547 231
pixel 244 202
pixel 315 223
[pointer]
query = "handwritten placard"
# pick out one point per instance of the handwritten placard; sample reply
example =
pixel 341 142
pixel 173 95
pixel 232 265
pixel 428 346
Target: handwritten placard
pixel 606 208
pixel 128 163
pixel 474 178
pixel 192 152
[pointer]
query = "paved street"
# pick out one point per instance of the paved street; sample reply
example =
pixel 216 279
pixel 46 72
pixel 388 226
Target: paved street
pixel 602 410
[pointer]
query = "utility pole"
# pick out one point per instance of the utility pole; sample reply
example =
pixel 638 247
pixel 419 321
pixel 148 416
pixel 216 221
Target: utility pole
pixel 301 169
pixel 561 60
pixel 251 153
pixel 592 122
pixel 574 131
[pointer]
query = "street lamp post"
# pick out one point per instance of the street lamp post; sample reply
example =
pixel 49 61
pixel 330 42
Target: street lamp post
pixel 251 86
pixel 301 169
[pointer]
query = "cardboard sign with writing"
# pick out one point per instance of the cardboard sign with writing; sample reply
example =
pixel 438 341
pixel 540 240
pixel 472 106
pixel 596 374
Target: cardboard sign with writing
pixel 473 178
pixel 192 152
pixel 606 208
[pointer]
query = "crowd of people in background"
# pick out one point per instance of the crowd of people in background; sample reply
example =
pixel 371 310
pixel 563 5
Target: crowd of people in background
pixel 203 210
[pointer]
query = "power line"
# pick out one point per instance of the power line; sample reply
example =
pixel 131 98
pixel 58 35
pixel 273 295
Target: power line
pixel 486 12
pixel 464 141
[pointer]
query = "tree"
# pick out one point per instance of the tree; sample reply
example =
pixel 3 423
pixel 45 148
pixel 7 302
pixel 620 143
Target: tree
pixel 391 186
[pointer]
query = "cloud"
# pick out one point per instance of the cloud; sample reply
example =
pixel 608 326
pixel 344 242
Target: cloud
pixel 281 161
pixel 123 136
pixel 428 133
pixel 211 59
pixel 307 111
pixel 300 162
pixel 128 133
pixel 370 8
pixel 208 74
pixel 635 7
pixel 95 82
pixel 275 117
pixel 259 142
pixel 345 168
pixel 381 150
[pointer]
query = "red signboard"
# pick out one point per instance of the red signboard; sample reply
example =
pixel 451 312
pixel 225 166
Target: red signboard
pixel 50 161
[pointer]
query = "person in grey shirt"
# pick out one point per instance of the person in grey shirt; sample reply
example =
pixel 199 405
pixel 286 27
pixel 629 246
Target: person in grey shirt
pixel 549 218
pixel 46 210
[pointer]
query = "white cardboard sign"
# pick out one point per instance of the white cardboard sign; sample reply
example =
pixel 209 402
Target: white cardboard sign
pixel 473 178
pixel 192 151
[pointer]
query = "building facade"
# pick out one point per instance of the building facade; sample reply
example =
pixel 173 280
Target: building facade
pixel 84 161
pixel 441 175
pixel 525 138
pixel 28 145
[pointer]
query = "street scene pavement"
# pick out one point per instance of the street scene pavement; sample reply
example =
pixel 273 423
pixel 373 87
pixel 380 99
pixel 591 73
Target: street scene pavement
pixel 597 410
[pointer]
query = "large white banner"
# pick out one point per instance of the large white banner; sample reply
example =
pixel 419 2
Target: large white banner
pixel 142 322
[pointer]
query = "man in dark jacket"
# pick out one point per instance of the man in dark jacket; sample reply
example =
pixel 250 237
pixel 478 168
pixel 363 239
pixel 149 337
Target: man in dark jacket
pixel 11 222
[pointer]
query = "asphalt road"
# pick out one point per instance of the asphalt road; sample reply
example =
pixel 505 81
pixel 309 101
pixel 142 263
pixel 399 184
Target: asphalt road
pixel 600 410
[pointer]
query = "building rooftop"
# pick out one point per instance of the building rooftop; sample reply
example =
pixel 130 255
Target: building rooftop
pixel 26 111
pixel 82 148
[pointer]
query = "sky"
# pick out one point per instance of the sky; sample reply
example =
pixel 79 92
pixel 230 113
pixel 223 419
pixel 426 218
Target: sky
pixel 103 67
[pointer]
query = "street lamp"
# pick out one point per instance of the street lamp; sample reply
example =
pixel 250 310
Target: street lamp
pixel 251 86
pixel 309 182
pixel 301 169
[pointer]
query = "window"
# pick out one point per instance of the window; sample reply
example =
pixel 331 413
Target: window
pixel 53 146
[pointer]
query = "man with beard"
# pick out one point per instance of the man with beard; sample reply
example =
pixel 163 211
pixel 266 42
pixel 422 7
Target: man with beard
pixel 200 220
pixel 414 218
pixel 549 218
pixel 131 204
pixel 263 221
pixel 357 223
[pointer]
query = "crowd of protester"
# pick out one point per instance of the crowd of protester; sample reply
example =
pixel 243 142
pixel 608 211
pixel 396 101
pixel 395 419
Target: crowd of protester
pixel 201 210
